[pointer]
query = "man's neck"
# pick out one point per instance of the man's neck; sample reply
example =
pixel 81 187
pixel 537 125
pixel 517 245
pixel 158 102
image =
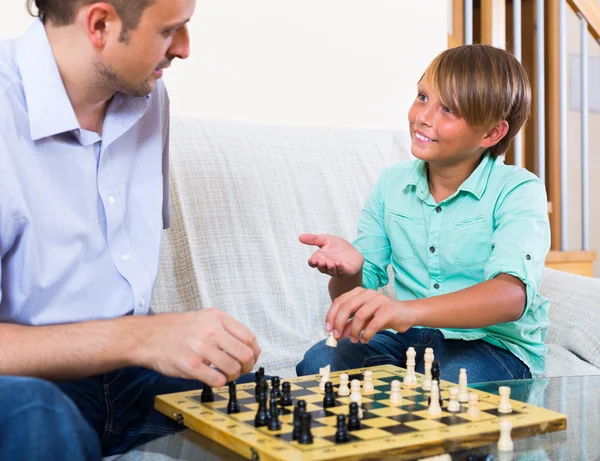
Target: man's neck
pixel 89 100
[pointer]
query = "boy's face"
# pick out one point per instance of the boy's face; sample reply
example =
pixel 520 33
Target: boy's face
pixel 438 136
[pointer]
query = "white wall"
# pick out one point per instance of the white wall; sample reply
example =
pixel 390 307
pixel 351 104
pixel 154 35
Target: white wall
pixel 299 62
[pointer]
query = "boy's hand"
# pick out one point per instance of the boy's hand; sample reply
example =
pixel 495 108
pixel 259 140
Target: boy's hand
pixel 335 256
pixel 368 311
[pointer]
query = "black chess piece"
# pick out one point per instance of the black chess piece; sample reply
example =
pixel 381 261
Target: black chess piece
pixel 274 423
pixel 435 375
pixel 262 388
pixel 207 394
pixel 262 415
pixel 233 406
pixel 286 395
pixel 258 377
pixel 298 410
pixel 353 418
pixel 275 390
pixel 329 399
pixel 304 434
pixel 341 435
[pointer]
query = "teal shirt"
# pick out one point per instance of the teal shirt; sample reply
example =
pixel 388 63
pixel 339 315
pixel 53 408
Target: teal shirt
pixel 495 223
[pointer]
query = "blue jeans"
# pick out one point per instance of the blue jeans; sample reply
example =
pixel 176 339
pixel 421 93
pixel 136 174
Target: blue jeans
pixel 483 361
pixel 89 418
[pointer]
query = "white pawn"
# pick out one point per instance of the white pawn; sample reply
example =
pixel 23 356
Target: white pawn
pixel 504 406
pixel 368 382
pixel 429 357
pixel 463 391
pixel 505 442
pixel 343 390
pixel 355 395
pixel 473 411
pixel 331 341
pixel 410 379
pixel 395 396
pixel 434 405
pixel 453 404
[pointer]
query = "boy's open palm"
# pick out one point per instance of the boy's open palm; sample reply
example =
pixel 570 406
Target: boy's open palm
pixel 335 256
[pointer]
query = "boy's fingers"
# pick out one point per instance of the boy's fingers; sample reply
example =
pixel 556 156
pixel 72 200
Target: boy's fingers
pixel 313 239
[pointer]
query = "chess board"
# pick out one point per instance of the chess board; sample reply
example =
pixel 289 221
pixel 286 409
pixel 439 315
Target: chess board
pixel 406 431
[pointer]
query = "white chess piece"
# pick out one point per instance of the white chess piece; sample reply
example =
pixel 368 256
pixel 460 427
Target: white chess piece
pixel 324 370
pixel 504 406
pixel 355 395
pixel 368 382
pixel 463 391
pixel 505 442
pixel 343 390
pixel 410 379
pixel 434 405
pixel 324 378
pixel 395 395
pixel 331 341
pixel 453 404
pixel 428 357
pixel 473 411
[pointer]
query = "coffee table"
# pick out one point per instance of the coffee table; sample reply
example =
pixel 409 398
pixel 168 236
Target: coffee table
pixel 577 397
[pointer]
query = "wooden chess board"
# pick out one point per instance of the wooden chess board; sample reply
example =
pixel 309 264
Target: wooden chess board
pixel 406 431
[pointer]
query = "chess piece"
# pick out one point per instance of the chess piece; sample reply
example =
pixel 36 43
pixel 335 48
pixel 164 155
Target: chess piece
pixel 324 376
pixel 463 391
pixel 331 341
pixel 233 406
pixel 355 395
pixel 410 379
pixel 274 423
pixel 262 415
pixel 434 406
pixel 353 418
pixel 435 371
pixel 207 394
pixel 304 435
pixel 286 395
pixel 505 442
pixel 341 434
pixel 473 411
pixel 298 410
pixel 453 404
pixel 344 390
pixel 329 399
pixel 275 390
pixel 261 388
pixel 428 358
pixel 395 395
pixel 368 382
pixel 504 405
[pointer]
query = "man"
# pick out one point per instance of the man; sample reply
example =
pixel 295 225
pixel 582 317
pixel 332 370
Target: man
pixel 84 129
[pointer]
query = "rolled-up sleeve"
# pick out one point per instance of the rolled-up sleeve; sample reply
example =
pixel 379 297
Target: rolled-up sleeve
pixel 521 239
pixel 372 240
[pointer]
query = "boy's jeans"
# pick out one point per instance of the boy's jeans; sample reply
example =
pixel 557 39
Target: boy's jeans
pixel 483 361
pixel 85 419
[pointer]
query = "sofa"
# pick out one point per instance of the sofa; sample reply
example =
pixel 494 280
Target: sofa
pixel 241 194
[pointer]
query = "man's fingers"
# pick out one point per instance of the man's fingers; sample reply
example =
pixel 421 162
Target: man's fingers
pixel 228 365
pixel 208 375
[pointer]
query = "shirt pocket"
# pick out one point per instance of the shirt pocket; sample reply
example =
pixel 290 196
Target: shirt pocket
pixel 404 233
pixel 472 242
pixel 148 195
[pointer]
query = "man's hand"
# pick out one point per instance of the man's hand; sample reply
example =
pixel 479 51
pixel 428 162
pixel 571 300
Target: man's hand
pixel 368 311
pixel 335 256
pixel 207 345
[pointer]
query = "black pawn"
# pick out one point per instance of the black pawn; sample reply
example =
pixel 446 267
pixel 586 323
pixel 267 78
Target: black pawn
pixel 304 435
pixel 233 406
pixel 435 375
pixel 341 435
pixel 286 395
pixel 274 423
pixel 329 399
pixel 262 415
pixel 275 390
pixel 298 410
pixel 207 394
pixel 353 419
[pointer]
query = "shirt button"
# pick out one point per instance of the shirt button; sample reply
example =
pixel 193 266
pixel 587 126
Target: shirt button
pixel 125 256
pixel 143 302
pixel 432 249
pixel 438 209
pixel 436 286
pixel 111 200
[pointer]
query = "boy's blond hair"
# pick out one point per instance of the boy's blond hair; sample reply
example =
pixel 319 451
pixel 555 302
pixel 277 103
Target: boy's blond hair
pixel 483 85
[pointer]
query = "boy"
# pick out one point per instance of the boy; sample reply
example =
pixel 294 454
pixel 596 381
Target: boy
pixel 467 237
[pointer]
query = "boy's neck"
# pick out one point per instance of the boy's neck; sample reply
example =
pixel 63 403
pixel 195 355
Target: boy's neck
pixel 444 180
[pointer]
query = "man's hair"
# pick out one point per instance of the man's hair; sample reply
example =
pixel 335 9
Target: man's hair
pixel 62 12
pixel 483 85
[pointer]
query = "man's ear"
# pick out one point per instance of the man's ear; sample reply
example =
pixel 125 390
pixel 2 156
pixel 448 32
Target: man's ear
pixel 101 22
pixel 495 134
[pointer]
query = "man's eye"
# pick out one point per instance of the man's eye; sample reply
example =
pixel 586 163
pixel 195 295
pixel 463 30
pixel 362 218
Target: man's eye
pixel 421 97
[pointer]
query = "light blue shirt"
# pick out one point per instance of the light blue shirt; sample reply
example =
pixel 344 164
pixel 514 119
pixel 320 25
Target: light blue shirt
pixel 495 223
pixel 81 215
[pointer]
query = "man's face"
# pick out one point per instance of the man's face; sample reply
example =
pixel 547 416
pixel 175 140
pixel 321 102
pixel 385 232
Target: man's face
pixel 132 66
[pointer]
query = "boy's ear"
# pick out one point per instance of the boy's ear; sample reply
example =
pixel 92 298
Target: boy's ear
pixel 495 134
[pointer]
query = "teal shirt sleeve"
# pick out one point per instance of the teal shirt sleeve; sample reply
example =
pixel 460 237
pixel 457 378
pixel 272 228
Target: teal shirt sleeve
pixel 372 240
pixel 521 239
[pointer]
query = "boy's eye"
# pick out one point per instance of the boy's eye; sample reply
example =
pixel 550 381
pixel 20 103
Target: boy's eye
pixel 446 109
